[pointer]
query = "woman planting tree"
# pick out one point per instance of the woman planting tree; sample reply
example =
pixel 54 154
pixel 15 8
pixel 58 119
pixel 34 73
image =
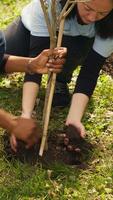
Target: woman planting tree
pixel 88 35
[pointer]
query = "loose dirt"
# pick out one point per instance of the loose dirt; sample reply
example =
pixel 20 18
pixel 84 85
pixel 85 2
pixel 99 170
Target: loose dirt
pixel 64 146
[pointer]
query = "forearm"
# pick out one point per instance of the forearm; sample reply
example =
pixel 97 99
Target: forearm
pixel 30 89
pixel 78 106
pixel 40 64
pixel 17 64
pixel 6 120
pixel 89 74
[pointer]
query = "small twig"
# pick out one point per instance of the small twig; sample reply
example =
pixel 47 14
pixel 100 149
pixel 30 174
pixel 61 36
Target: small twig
pixel 44 8
pixel 51 83
pixel 49 96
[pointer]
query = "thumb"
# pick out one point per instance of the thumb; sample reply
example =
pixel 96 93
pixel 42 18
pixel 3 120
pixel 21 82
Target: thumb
pixel 82 131
pixel 13 143
pixel 47 52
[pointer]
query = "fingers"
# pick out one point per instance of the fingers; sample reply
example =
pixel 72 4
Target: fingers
pixel 65 140
pixel 55 69
pixel 47 52
pixel 72 148
pixel 56 61
pixel 60 52
pixel 83 133
pixel 58 70
pixel 57 52
pixel 55 65
pixel 13 143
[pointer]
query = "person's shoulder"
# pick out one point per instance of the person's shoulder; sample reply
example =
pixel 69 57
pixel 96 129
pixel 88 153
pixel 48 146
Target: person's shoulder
pixel 104 46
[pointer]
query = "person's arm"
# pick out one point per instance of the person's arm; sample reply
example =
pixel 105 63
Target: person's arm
pixel 89 73
pixel 7 120
pixel 85 86
pixel 76 111
pixel 40 64
pixel 78 105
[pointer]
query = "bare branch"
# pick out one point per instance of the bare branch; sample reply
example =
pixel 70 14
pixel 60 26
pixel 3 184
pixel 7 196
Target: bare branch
pixel 52 76
pixel 44 8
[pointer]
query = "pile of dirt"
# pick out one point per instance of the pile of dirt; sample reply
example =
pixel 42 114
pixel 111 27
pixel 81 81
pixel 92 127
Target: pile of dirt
pixel 64 146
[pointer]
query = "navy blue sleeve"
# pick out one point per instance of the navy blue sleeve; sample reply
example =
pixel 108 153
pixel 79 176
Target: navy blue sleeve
pixel 2 51
pixel 89 73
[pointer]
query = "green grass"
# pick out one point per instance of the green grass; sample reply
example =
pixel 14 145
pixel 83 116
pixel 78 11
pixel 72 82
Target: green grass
pixel 23 182
pixel 9 9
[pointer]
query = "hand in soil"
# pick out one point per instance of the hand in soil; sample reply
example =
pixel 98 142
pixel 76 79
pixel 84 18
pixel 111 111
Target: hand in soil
pixel 27 131
pixel 71 139
pixel 61 148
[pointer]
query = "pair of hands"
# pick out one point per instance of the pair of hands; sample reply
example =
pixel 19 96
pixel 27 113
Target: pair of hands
pixel 26 130
pixel 29 131
pixel 48 60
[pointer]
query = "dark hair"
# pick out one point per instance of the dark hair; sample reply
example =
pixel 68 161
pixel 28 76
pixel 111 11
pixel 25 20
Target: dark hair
pixel 104 27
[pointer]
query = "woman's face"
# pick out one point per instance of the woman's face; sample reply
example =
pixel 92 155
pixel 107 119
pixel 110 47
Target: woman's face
pixel 94 10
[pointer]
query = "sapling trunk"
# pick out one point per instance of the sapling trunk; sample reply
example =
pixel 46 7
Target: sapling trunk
pixel 51 24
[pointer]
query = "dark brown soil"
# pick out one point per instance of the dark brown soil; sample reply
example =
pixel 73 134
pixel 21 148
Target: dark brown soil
pixel 64 146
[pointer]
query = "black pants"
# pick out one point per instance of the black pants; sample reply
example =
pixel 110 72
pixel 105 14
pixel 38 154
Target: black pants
pixel 19 42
